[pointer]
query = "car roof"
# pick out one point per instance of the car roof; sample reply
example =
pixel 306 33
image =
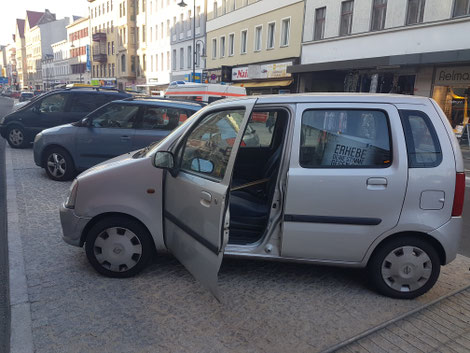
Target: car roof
pixel 164 101
pixel 331 98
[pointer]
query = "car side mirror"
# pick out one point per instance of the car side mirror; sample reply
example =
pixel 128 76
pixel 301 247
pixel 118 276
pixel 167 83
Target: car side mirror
pixel 202 165
pixel 86 122
pixel 165 160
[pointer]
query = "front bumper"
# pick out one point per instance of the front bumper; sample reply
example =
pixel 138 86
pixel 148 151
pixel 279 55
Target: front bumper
pixel 449 236
pixel 72 226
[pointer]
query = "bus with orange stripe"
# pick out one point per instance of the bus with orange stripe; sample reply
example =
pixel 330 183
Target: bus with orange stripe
pixel 202 92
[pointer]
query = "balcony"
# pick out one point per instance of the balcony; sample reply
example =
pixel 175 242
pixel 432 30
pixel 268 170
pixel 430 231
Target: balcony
pixel 101 58
pixel 99 37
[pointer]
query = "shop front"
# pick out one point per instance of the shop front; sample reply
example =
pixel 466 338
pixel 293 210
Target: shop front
pixel 104 82
pixel 269 78
pixel 451 90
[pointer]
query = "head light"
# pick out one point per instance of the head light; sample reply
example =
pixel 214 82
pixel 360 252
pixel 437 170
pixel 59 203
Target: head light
pixel 70 202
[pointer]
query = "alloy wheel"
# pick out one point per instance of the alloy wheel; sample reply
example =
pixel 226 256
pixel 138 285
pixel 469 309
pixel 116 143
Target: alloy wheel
pixel 56 165
pixel 16 137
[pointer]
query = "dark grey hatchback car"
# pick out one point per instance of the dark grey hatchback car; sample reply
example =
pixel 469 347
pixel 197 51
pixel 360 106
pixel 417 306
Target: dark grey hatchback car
pixel 52 109
pixel 114 129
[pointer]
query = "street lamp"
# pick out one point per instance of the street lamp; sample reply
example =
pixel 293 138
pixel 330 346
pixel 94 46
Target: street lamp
pixel 183 4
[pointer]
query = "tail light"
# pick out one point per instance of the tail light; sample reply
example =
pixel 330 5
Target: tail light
pixel 459 193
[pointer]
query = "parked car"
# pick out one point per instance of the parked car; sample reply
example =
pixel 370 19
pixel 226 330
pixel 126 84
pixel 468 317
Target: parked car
pixel 116 128
pixel 15 94
pixel 26 96
pixel 371 181
pixel 52 109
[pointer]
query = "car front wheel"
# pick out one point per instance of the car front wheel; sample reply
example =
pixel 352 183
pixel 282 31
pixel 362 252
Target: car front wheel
pixel 118 247
pixel 404 267
pixel 16 137
pixel 59 164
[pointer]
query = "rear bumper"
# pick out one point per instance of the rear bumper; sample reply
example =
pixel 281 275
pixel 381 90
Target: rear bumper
pixel 449 236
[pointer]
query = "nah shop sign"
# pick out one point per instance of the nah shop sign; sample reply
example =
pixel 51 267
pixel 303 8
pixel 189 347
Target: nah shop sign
pixel 240 73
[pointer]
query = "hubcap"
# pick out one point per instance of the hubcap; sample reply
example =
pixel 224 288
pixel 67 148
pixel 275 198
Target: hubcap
pixel 406 269
pixel 56 165
pixel 16 137
pixel 117 249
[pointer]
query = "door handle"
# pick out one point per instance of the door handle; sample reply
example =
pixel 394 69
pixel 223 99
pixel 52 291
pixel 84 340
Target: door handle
pixel 206 198
pixel 125 138
pixel 377 183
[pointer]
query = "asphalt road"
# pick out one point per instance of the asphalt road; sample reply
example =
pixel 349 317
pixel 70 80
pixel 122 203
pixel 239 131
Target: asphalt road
pixel 5 106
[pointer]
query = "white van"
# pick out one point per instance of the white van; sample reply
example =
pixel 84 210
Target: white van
pixel 373 181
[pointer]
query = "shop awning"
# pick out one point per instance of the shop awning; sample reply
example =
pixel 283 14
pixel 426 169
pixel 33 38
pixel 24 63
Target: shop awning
pixel 280 83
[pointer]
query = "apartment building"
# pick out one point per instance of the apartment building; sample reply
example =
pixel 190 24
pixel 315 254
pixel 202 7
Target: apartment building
pixel 252 43
pixel 189 16
pixel 60 64
pixel 79 51
pixel 20 46
pixel 419 47
pixel 11 71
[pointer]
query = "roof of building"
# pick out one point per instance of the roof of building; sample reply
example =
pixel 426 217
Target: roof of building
pixel 20 25
pixel 33 17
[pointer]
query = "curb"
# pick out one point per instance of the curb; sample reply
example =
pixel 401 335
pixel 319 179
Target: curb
pixel 385 324
pixel 21 336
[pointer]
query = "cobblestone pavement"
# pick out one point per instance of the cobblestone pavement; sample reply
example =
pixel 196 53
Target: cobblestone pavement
pixel 443 327
pixel 266 306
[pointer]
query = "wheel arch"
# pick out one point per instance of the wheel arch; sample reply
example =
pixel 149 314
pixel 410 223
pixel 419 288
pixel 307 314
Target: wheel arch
pixel 102 216
pixel 424 236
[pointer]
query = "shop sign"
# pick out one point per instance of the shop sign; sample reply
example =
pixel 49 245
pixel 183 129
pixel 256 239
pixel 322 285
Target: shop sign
pixel 109 82
pixel 153 80
pixel 448 76
pixel 251 72
pixel 240 73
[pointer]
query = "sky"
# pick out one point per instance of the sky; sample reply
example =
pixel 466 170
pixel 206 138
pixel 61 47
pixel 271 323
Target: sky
pixel 13 9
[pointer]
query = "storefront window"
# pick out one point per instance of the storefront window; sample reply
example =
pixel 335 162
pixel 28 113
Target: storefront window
pixel 451 91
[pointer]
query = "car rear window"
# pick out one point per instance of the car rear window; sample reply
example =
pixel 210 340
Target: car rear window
pixel 422 143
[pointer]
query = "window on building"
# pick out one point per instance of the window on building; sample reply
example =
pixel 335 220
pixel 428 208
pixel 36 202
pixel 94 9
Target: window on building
pixel 214 48
pixel 112 66
pixel 222 47
pixel 198 55
pixel 156 62
pixel 189 53
pixel 231 44
pixel 379 11
pixel 224 7
pixel 161 30
pixel 109 48
pixel 198 16
pixel 167 28
pixel 144 39
pixel 112 48
pixel 124 8
pixel 168 60
pixel 162 62
pixel 144 62
pixel 319 30
pixel 181 58
pixel 461 8
pixel 123 63
pixel 173 60
pixel 347 8
pixel 285 32
pixel 271 35
pixel 258 37
pixel 215 9
pixel 415 12
pixel 243 39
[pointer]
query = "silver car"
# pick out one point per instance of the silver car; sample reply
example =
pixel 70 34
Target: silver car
pixel 368 181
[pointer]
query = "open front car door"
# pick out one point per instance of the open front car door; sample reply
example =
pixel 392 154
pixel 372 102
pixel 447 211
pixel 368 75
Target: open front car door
pixel 196 212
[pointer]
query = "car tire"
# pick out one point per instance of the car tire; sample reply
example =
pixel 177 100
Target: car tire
pixel 118 247
pixel 16 137
pixel 59 164
pixel 404 267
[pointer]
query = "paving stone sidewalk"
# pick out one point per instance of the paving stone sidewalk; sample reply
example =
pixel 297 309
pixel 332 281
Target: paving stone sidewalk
pixel 443 327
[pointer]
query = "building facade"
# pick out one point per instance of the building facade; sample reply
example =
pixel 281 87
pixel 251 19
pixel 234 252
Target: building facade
pixel 60 63
pixel 183 56
pixel 419 47
pixel 252 43
pixel 20 45
pixel 78 55
pixel 11 70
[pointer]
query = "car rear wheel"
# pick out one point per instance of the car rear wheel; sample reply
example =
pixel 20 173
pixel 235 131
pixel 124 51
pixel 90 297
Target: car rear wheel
pixel 118 247
pixel 404 268
pixel 59 164
pixel 16 137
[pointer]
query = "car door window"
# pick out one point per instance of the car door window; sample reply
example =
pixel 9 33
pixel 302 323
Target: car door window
pixel 53 103
pixel 163 118
pixel 115 115
pixel 345 138
pixel 85 102
pixel 207 148
pixel 260 129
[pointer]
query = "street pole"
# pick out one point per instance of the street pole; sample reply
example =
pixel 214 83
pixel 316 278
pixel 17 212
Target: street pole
pixel 194 42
